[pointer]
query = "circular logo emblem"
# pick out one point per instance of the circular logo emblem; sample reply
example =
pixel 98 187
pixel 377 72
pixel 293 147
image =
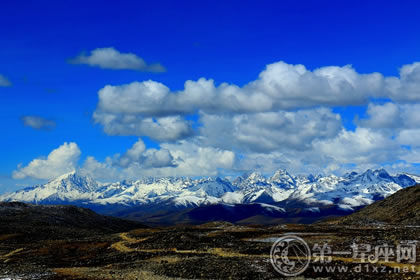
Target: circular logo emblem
pixel 290 255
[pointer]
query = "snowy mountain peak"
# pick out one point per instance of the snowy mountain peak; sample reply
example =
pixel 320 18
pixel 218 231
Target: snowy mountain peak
pixel 350 175
pixel 250 179
pixel 283 178
pixel 374 175
pixel 254 176
pixel 382 173
pixel 280 172
pixel 348 192
pixel 413 177
pixel 212 187
pixel 74 181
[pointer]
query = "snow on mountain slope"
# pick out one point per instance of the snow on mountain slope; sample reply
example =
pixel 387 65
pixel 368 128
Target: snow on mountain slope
pixel 354 190
pixel 282 179
pixel 148 190
pixel 68 187
pixel 347 192
pixel 212 187
pixel 411 176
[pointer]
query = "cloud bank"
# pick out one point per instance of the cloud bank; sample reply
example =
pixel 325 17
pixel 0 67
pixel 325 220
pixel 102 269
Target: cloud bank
pixel 286 118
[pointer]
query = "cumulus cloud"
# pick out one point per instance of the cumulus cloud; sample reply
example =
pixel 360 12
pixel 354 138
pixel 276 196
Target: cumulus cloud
pixel 413 156
pixel 294 86
pixel 158 158
pixel 401 122
pixel 382 116
pixel 183 158
pixel 105 171
pixel 392 116
pixel 268 132
pixel 280 86
pixel 406 87
pixel 59 161
pixel 133 154
pixel 283 119
pixel 192 159
pixel 4 82
pixel 161 129
pixel 146 158
pixel 360 146
pixel 137 161
pixel 38 123
pixel 350 150
pixel 409 137
pixel 148 108
pixel 288 111
pixel 110 58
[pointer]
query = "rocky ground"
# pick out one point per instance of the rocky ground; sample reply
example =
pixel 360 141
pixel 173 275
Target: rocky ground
pixel 210 251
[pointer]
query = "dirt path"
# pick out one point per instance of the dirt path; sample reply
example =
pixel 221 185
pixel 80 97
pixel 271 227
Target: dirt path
pixel 96 273
pixel 126 240
pixel 122 246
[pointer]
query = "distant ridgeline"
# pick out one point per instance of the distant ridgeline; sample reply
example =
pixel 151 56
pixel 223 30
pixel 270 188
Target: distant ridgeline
pixel 251 198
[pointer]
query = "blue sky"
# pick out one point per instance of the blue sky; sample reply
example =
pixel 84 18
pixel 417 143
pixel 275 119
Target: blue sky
pixel 48 100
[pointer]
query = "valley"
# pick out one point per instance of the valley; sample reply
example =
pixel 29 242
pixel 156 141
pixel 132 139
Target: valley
pixel 209 251
pixel 67 242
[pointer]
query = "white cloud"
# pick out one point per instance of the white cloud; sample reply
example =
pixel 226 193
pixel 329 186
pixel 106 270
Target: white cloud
pixel 287 112
pixel 37 122
pixel 293 86
pixel 409 137
pixel 158 158
pixel 268 132
pixel 4 82
pixel 401 122
pixel 412 156
pixel 406 88
pixel 133 154
pixel 104 171
pixel 280 86
pixel 110 58
pixel 146 158
pixel 150 109
pixel 177 159
pixel 350 150
pixel 382 116
pixel 135 98
pixel 194 160
pixel 392 116
pixel 59 161
pixel 129 110
pixel 161 129
pixel 359 147
pixel 283 119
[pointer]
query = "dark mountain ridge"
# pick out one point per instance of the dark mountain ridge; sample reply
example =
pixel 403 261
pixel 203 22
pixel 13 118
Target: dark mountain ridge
pixel 41 221
pixel 400 208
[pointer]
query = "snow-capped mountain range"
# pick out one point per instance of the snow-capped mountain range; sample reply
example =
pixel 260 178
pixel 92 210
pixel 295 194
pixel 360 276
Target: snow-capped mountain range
pixel 276 192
